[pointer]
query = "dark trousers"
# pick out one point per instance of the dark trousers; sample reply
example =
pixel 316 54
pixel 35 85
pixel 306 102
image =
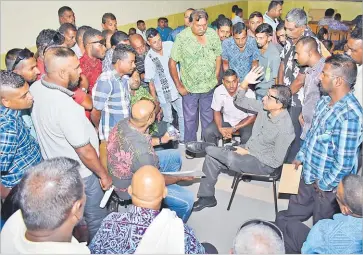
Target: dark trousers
pixel 212 135
pixel 193 103
pixel 295 234
pixel 218 159
pixel 308 202
pixel 295 145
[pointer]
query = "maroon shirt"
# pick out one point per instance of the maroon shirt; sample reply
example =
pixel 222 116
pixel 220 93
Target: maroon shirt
pixel 91 68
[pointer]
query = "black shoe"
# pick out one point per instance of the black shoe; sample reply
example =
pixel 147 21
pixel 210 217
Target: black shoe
pixel 204 202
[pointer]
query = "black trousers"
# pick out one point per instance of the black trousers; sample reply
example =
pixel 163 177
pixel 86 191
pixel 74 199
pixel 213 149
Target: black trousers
pixel 295 234
pixel 295 145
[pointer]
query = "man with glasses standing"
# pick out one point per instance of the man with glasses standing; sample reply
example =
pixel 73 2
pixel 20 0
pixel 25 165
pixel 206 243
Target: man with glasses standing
pixel 330 150
pixel 266 149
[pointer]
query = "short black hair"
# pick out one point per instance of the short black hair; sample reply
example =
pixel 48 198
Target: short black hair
pixel 224 22
pixel 48 37
pixel 140 21
pixel 230 72
pixel 274 4
pixel 356 34
pixel 238 11
pixel 353 193
pixel 9 79
pixel 239 27
pixel 80 33
pixel 12 56
pixel 151 33
pixel 264 28
pixel 166 20
pixel 234 7
pixel 106 32
pixel 64 9
pixel 338 16
pixel 283 94
pixel 256 14
pixel 121 52
pixel 343 66
pixel 329 12
pixel 89 34
pixel 107 16
pixel 65 27
pixel 280 26
pixel 310 42
pixel 132 29
pixel 322 31
pixel 160 19
pixel 118 37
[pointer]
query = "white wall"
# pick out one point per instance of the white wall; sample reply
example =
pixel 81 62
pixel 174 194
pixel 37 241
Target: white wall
pixel 21 21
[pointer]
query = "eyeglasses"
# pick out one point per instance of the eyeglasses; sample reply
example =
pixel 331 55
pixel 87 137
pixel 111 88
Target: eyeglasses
pixel 270 96
pixel 58 39
pixel 102 41
pixel 23 54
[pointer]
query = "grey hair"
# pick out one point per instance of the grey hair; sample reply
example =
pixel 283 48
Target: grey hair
pixel 343 66
pixel 258 239
pixel 48 192
pixel 353 193
pixel 297 16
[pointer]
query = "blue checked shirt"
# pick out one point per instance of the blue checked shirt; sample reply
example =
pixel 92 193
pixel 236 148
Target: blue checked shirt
pixel 111 96
pixel 18 149
pixel 330 150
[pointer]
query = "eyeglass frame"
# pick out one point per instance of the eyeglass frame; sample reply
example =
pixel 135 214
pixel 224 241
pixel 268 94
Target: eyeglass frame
pixel 102 42
pixel 21 56
pixel 56 37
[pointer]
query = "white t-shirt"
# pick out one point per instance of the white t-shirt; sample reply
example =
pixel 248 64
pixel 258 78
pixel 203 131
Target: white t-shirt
pixel 232 115
pixel 61 123
pixel 77 50
pixel 13 241
pixel 157 69
pixel 237 19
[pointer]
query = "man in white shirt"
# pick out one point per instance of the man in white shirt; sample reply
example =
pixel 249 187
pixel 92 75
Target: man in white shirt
pixel 141 29
pixel 227 118
pixel 51 198
pixel 273 13
pixel 162 86
pixel 238 17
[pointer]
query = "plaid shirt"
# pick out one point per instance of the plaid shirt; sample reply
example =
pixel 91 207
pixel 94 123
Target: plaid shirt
pixel 111 96
pixel 330 150
pixel 18 149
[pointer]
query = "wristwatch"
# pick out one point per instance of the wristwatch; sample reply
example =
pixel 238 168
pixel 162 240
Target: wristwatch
pixel 84 90
pixel 234 129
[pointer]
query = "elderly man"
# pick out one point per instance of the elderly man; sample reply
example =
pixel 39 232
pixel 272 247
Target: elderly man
pixel 198 51
pixel 266 149
pixel 131 147
pixel 227 118
pixel 52 200
pixel 176 31
pixel 330 150
pixel 18 149
pixel 147 190
pixel 66 15
pixel 64 131
pixel 344 230
pixel 138 43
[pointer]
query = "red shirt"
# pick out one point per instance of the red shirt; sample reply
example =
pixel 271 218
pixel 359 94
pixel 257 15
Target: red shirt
pixel 79 96
pixel 91 68
pixel 40 65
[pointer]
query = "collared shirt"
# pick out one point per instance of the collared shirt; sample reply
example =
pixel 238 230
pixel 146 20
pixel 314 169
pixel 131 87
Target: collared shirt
pixel 311 94
pixel 142 33
pixel 60 123
pixel 157 70
pixel 272 22
pixel 271 135
pixel 91 68
pixel 164 33
pixel 340 235
pixel 197 61
pixel 107 61
pixel 13 241
pixel 330 149
pixel 237 19
pixel 111 96
pixel 251 34
pixel 240 61
pixel 337 25
pixel 292 69
pixel 131 226
pixel 25 115
pixel 223 101
pixel 18 149
pixel 175 32
pixel 325 21
pixel 77 50
pixel 358 87
pixel 270 61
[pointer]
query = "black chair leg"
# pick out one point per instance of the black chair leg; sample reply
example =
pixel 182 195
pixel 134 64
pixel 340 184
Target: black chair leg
pixel 275 196
pixel 234 179
pixel 234 192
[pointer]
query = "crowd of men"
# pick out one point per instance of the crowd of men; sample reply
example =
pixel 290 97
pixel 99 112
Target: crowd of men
pixel 92 109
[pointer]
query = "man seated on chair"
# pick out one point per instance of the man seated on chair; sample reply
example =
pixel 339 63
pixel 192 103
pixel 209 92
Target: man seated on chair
pixel 272 134
pixel 227 118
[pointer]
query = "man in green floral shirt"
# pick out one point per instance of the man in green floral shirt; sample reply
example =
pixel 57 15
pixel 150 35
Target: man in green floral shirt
pixel 198 51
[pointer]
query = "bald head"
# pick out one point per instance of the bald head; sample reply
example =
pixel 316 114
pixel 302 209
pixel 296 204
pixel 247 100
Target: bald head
pixel 138 43
pixel 136 38
pixel 141 111
pixel 57 58
pixel 148 188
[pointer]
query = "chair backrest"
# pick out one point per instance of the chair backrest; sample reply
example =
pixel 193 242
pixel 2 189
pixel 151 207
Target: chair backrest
pixel 318 28
pixel 337 35
pixel 277 173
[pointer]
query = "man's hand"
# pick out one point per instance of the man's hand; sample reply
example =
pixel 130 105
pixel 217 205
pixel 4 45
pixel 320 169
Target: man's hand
pixel 301 120
pixel 182 90
pixel 166 138
pixel 297 163
pixel 254 74
pixel 186 178
pixel 241 151
pixel 226 132
pixel 159 116
pixel 106 182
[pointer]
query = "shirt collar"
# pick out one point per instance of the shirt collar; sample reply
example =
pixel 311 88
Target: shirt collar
pixel 7 111
pixel 316 66
pixel 268 17
pixel 342 101
pixel 88 59
pixel 281 116
pixel 50 85
pixel 135 210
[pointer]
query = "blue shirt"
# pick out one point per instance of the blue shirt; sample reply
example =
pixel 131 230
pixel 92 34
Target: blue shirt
pixel 331 146
pixel 18 149
pixel 164 33
pixel 174 33
pixel 111 96
pixel 120 233
pixel 342 234
pixel 240 61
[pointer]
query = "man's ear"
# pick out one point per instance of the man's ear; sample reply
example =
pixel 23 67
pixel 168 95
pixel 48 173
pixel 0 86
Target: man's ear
pixel 165 193
pixel 103 26
pixel 129 190
pixel 76 210
pixel 5 102
pixel 62 74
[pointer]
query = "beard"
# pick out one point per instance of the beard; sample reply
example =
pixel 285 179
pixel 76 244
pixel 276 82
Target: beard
pixel 72 85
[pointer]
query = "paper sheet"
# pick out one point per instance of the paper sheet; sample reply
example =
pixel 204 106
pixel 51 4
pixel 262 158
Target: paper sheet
pixel 290 179
pixel 197 174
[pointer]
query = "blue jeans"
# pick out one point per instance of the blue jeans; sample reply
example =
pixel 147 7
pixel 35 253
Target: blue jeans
pixel 178 199
pixel 168 114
